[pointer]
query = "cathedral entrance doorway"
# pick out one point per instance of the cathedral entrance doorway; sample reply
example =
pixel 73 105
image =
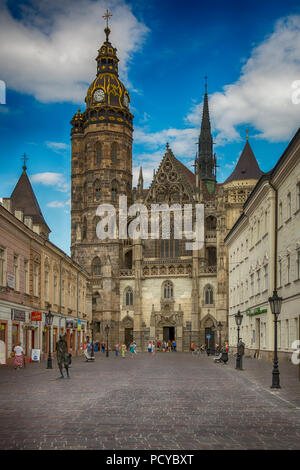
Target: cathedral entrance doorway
pixel 128 335
pixel 210 342
pixel 168 333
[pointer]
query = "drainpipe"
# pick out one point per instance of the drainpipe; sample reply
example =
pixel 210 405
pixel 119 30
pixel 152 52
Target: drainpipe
pixel 60 293
pixel 276 235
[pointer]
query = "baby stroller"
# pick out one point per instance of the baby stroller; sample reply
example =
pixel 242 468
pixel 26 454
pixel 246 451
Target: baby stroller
pixel 222 357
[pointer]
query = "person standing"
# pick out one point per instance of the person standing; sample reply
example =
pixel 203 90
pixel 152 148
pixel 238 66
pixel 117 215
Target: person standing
pixel 62 354
pixel 123 350
pixel 131 351
pixel 117 350
pixel 150 347
pixel 174 345
pixel 153 349
pixel 18 350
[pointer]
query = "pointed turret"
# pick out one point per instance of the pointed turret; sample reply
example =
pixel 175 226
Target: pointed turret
pixel 205 163
pixel 247 167
pixel 140 185
pixel 23 199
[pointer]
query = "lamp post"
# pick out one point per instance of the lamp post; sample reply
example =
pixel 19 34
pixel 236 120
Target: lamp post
pixel 238 320
pixel 92 350
pixel 49 319
pixel 219 328
pixel 107 332
pixel 275 304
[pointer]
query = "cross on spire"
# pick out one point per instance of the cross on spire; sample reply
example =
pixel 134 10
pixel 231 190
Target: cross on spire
pixel 24 158
pixel 107 16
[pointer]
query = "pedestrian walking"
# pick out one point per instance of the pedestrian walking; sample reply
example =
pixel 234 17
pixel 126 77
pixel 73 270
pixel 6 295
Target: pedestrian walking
pixel 174 345
pixel 103 347
pixel 117 350
pixel 134 347
pixel 123 350
pixel 150 346
pixel 62 355
pixel 18 352
pixel 169 345
pixel 131 351
pixel 153 349
pixel 192 347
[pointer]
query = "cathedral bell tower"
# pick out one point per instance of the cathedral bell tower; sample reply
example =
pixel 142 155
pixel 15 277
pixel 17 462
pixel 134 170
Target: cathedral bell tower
pixel 101 172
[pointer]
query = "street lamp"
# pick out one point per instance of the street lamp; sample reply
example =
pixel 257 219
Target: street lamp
pixel 92 351
pixel 49 319
pixel 107 332
pixel 219 328
pixel 275 304
pixel 238 320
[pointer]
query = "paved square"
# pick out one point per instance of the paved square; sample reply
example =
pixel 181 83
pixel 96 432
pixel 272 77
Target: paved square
pixel 167 401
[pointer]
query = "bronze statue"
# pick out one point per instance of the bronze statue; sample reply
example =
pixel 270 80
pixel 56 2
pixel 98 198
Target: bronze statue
pixel 63 357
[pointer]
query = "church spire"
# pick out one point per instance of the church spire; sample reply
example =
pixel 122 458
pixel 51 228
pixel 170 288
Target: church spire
pixel 140 186
pixel 205 160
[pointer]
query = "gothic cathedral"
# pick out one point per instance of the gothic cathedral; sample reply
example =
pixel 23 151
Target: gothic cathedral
pixel 150 289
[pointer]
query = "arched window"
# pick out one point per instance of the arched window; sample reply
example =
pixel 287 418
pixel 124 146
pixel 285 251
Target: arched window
pixel 168 290
pixel 96 266
pixel 208 295
pixel 211 222
pixel 114 190
pixel 97 190
pixel 98 153
pixel 114 151
pixel 128 296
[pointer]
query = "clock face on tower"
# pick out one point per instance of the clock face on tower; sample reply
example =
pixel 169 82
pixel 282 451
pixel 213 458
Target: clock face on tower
pixel 99 95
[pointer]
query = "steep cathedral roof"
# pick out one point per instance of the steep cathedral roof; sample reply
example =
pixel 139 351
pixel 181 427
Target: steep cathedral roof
pixel 247 167
pixel 23 198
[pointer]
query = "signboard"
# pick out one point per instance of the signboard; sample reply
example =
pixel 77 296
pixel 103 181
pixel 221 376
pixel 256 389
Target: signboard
pixel 79 325
pixel 36 316
pixel 18 315
pixel 258 311
pixel 35 355
pixel 69 323
pixel 11 281
pixel 208 336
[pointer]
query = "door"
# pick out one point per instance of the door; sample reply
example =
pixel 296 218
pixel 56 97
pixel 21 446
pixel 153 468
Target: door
pixel 128 335
pixel 257 334
pixel 169 333
pixel 3 343
pixel 210 342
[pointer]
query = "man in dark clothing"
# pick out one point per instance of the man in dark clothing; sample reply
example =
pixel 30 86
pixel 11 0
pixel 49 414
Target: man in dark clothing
pixel 63 357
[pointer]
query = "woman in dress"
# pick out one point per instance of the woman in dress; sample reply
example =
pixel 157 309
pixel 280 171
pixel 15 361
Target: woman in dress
pixel 131 350
pixel 18 350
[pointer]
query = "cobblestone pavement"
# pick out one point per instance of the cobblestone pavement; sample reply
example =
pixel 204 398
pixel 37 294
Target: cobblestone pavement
pixel 167 401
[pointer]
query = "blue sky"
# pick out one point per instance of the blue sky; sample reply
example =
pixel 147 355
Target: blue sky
pixel 250 53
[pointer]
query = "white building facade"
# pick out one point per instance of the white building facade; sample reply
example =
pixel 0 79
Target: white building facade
pixel 264 254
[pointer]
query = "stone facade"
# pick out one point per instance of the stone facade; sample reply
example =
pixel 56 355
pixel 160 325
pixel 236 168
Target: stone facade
pixel 155 288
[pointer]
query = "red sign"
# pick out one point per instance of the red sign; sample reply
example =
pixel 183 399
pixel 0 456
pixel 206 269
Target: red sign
pixel 36 316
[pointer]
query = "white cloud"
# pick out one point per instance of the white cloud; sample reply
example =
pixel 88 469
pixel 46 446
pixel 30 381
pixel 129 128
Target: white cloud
pixel 54 44
pixel 57 147
pixel 262 96
pixel 59 204
pixel 55 204
pixel 57 180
